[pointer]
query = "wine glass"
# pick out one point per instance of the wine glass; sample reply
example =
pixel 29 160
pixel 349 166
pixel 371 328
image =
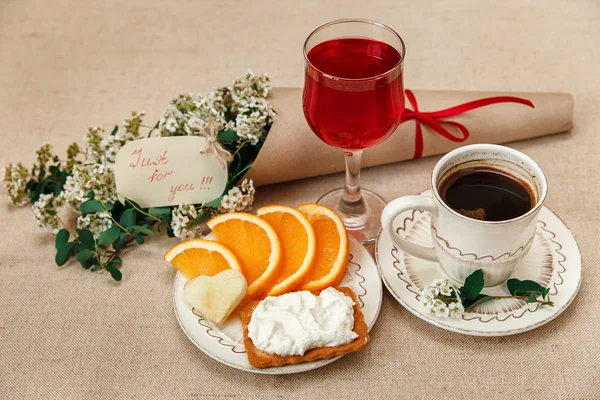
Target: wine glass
pixel 353 99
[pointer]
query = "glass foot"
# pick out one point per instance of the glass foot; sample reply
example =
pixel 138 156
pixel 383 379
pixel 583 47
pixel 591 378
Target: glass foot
pixel 363 225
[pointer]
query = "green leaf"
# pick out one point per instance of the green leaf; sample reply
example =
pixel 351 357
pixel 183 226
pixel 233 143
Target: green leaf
pixel 91 195
pixel 51 212
pixel 199 217
pixel 64 253
pixel 86 238
pixel 85 255
pixel 91 206
pixel 128 218
pixel 78 247
pixel 62 239
pixel 117 244
pixel 109 206
pixel 517 287
pixel 131 203
pixel 139 238
pixel 115 130
pixel 235 178
pixel 114 272
pixel 545 292
pixel 96 268
pixel 532 298
pixel 87 264
pixel 482 298
pixel 109 236
pixel 142 229
pixel 473 285
pixel 228 136
pixel 159 212
pixel 116 260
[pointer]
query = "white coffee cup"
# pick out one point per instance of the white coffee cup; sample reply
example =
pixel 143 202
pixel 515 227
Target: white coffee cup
pixel 461 244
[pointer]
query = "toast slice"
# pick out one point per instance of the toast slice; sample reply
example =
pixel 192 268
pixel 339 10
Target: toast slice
pixel 260 359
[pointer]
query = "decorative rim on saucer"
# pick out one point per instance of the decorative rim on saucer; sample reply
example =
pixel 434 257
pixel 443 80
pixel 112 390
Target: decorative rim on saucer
pixel 553 260
pixel 224 343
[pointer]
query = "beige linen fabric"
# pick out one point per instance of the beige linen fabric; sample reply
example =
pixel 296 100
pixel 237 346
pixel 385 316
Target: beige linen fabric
pixel 66 65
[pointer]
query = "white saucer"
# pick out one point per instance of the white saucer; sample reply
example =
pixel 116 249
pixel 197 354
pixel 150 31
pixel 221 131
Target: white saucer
pixel 554 261
pixel 224 343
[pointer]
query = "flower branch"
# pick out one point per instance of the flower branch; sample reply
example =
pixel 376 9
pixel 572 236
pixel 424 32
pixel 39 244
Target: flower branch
pixel 84 182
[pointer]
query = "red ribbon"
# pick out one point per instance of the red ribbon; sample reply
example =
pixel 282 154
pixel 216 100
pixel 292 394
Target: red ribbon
pixel 432 119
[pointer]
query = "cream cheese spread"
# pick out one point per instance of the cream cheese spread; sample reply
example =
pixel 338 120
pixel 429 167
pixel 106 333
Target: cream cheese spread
pixel 293 323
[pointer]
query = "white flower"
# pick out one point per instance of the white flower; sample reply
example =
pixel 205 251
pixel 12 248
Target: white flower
pixel 111 154
pixel 446 290
pixel 248 186
pixel 456 309
pixel 239 198
pixel 440 309
pixel 227 204
pixel 235 194
pixel 171 125
pixel 176 229
pixel 181 220
pixel 93 142
pixel 428 295
pixel 42 155
pixel 182 217
pixel 431 291
pixel 246 200
pixel 14 178
pixel 440 283
pixel 89 177
pixel 187 234
pixel 195 123
pixel 45 221
pixel 96 222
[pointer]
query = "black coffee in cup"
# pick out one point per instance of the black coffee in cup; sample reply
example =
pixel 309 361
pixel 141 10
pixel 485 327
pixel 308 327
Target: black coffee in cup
pixel 486 193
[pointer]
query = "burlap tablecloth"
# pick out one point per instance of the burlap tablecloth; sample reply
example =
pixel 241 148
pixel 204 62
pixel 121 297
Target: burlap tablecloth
pixel 66 65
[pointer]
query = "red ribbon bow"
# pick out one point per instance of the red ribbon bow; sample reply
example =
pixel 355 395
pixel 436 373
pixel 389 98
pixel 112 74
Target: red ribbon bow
pixel 432 119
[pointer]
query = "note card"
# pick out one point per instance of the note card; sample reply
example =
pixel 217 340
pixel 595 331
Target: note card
pixel 169 171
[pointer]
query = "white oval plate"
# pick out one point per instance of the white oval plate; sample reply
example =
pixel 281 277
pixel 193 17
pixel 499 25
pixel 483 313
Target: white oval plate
pixel 224 342
pixel 554 261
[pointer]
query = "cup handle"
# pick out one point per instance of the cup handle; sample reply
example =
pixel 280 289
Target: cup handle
pixel 398 206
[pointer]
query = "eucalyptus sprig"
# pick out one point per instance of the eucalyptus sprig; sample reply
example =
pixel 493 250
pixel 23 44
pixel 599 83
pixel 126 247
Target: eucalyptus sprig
pixel 84 181
pixel 444 299
pixel 130 223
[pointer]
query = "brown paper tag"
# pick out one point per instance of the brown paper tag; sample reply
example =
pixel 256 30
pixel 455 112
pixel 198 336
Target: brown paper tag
pixel 169 171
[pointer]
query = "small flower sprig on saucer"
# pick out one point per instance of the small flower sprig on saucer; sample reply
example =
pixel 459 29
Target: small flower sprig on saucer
pixel 443 299
pixel 238 115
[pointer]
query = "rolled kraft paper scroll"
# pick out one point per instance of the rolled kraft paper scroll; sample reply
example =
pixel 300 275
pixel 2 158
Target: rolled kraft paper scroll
pixel 292 151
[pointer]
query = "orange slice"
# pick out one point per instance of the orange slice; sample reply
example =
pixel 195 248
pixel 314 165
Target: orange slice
pixel 331 259
pixel 299 246
pixel 256 246
pixel 201 257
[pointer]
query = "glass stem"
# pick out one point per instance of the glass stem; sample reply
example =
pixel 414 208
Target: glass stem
pixel 352 201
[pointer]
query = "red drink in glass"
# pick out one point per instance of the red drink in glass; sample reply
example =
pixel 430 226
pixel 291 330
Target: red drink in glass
pixel 351 99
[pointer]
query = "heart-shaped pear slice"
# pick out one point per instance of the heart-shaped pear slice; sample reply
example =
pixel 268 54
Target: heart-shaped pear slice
pixel 215 297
